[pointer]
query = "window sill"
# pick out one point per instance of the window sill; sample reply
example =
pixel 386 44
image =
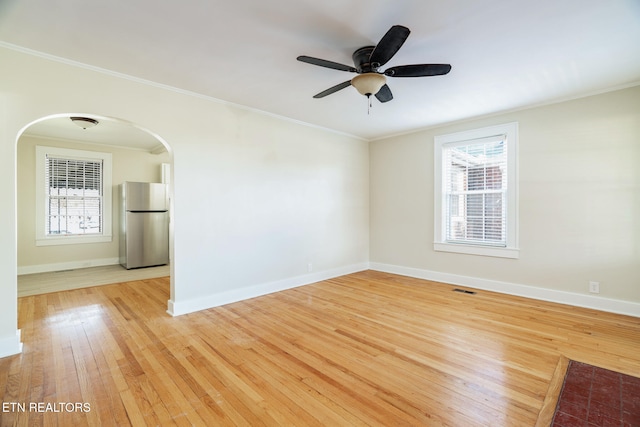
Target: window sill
pixel 512 253
pixel 72 240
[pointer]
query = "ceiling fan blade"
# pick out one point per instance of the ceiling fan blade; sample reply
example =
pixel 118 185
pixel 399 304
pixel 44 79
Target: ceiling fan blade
pixel 333 89
pixel 384 94
pixel 325 63
pixel 418 70
pixel 389 45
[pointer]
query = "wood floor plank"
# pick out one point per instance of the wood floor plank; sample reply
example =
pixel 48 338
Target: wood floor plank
pixel 368 348
pixel 545 416
pixel 319 364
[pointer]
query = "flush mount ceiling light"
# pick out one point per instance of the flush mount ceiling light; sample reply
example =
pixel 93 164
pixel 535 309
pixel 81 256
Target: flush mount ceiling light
pixel 84 122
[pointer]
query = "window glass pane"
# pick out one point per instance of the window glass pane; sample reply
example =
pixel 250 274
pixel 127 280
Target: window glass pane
pixel 476 179
pixel 475 174
pixel 74 190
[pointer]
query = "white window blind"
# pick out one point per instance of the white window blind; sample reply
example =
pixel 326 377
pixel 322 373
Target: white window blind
pixel 475 190
pixel 74 196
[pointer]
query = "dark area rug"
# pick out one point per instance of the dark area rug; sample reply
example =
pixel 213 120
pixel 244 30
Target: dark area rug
pixel 593 396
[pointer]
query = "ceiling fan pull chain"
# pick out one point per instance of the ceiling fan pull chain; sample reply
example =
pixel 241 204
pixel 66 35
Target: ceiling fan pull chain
pixel 368 104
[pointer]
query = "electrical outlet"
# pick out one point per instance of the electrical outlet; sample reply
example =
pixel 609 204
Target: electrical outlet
pixel 309 267
pixel 594 287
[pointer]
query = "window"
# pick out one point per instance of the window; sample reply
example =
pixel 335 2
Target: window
pixel 476 191
pixel 73 190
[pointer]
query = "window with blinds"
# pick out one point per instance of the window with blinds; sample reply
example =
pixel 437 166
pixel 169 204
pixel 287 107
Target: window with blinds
pixel 74 196
pixel 475 204
pixel 475 189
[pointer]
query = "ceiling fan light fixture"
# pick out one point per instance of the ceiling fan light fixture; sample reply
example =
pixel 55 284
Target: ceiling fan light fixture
pixel 84 122
pixel 368 59
pixel 368 83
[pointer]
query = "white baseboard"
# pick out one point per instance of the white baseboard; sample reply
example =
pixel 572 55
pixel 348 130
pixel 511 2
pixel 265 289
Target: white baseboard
pixel 10 345
pixel 61 266
pixel 603 304
pixel 539 293
pixel 183 307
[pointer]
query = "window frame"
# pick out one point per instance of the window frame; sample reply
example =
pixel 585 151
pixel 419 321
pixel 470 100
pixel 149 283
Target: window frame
pixel 42 239
pixel 440 244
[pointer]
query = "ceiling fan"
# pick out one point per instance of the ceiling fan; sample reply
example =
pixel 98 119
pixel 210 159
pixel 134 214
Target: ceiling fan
pixel 368 60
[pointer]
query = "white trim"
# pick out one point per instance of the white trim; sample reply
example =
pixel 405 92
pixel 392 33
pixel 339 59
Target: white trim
pixel 503 112
pixel 72 240
pixel 38 54
pixel 570 298
pixel 10 345
pixel 71 265
pixel 214 300
pixel 477 250
pixel 174 89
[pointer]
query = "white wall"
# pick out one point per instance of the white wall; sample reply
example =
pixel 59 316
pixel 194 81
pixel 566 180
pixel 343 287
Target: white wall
pixel 256 198
pixel 579 204
pixel 128 165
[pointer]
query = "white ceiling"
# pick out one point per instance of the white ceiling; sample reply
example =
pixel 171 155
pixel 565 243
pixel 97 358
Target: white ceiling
pixel 107 132
pixel 505 54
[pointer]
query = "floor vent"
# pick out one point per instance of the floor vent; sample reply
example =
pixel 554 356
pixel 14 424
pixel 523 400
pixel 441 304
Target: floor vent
pixel 464 291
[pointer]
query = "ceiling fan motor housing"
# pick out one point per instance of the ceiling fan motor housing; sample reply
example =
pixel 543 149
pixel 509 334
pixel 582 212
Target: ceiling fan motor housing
pixel 361 59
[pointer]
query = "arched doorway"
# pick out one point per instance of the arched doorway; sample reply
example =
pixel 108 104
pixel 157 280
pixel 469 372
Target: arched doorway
pixel 135 154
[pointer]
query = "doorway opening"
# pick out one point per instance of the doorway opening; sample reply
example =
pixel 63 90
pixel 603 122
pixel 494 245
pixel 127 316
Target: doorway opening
pixel 80 247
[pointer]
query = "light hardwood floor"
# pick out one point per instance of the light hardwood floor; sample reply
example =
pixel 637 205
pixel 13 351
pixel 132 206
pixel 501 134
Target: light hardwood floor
pixel 364 349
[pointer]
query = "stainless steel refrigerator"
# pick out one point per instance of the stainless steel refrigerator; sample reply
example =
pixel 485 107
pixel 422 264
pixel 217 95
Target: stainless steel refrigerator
pixel 144 224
